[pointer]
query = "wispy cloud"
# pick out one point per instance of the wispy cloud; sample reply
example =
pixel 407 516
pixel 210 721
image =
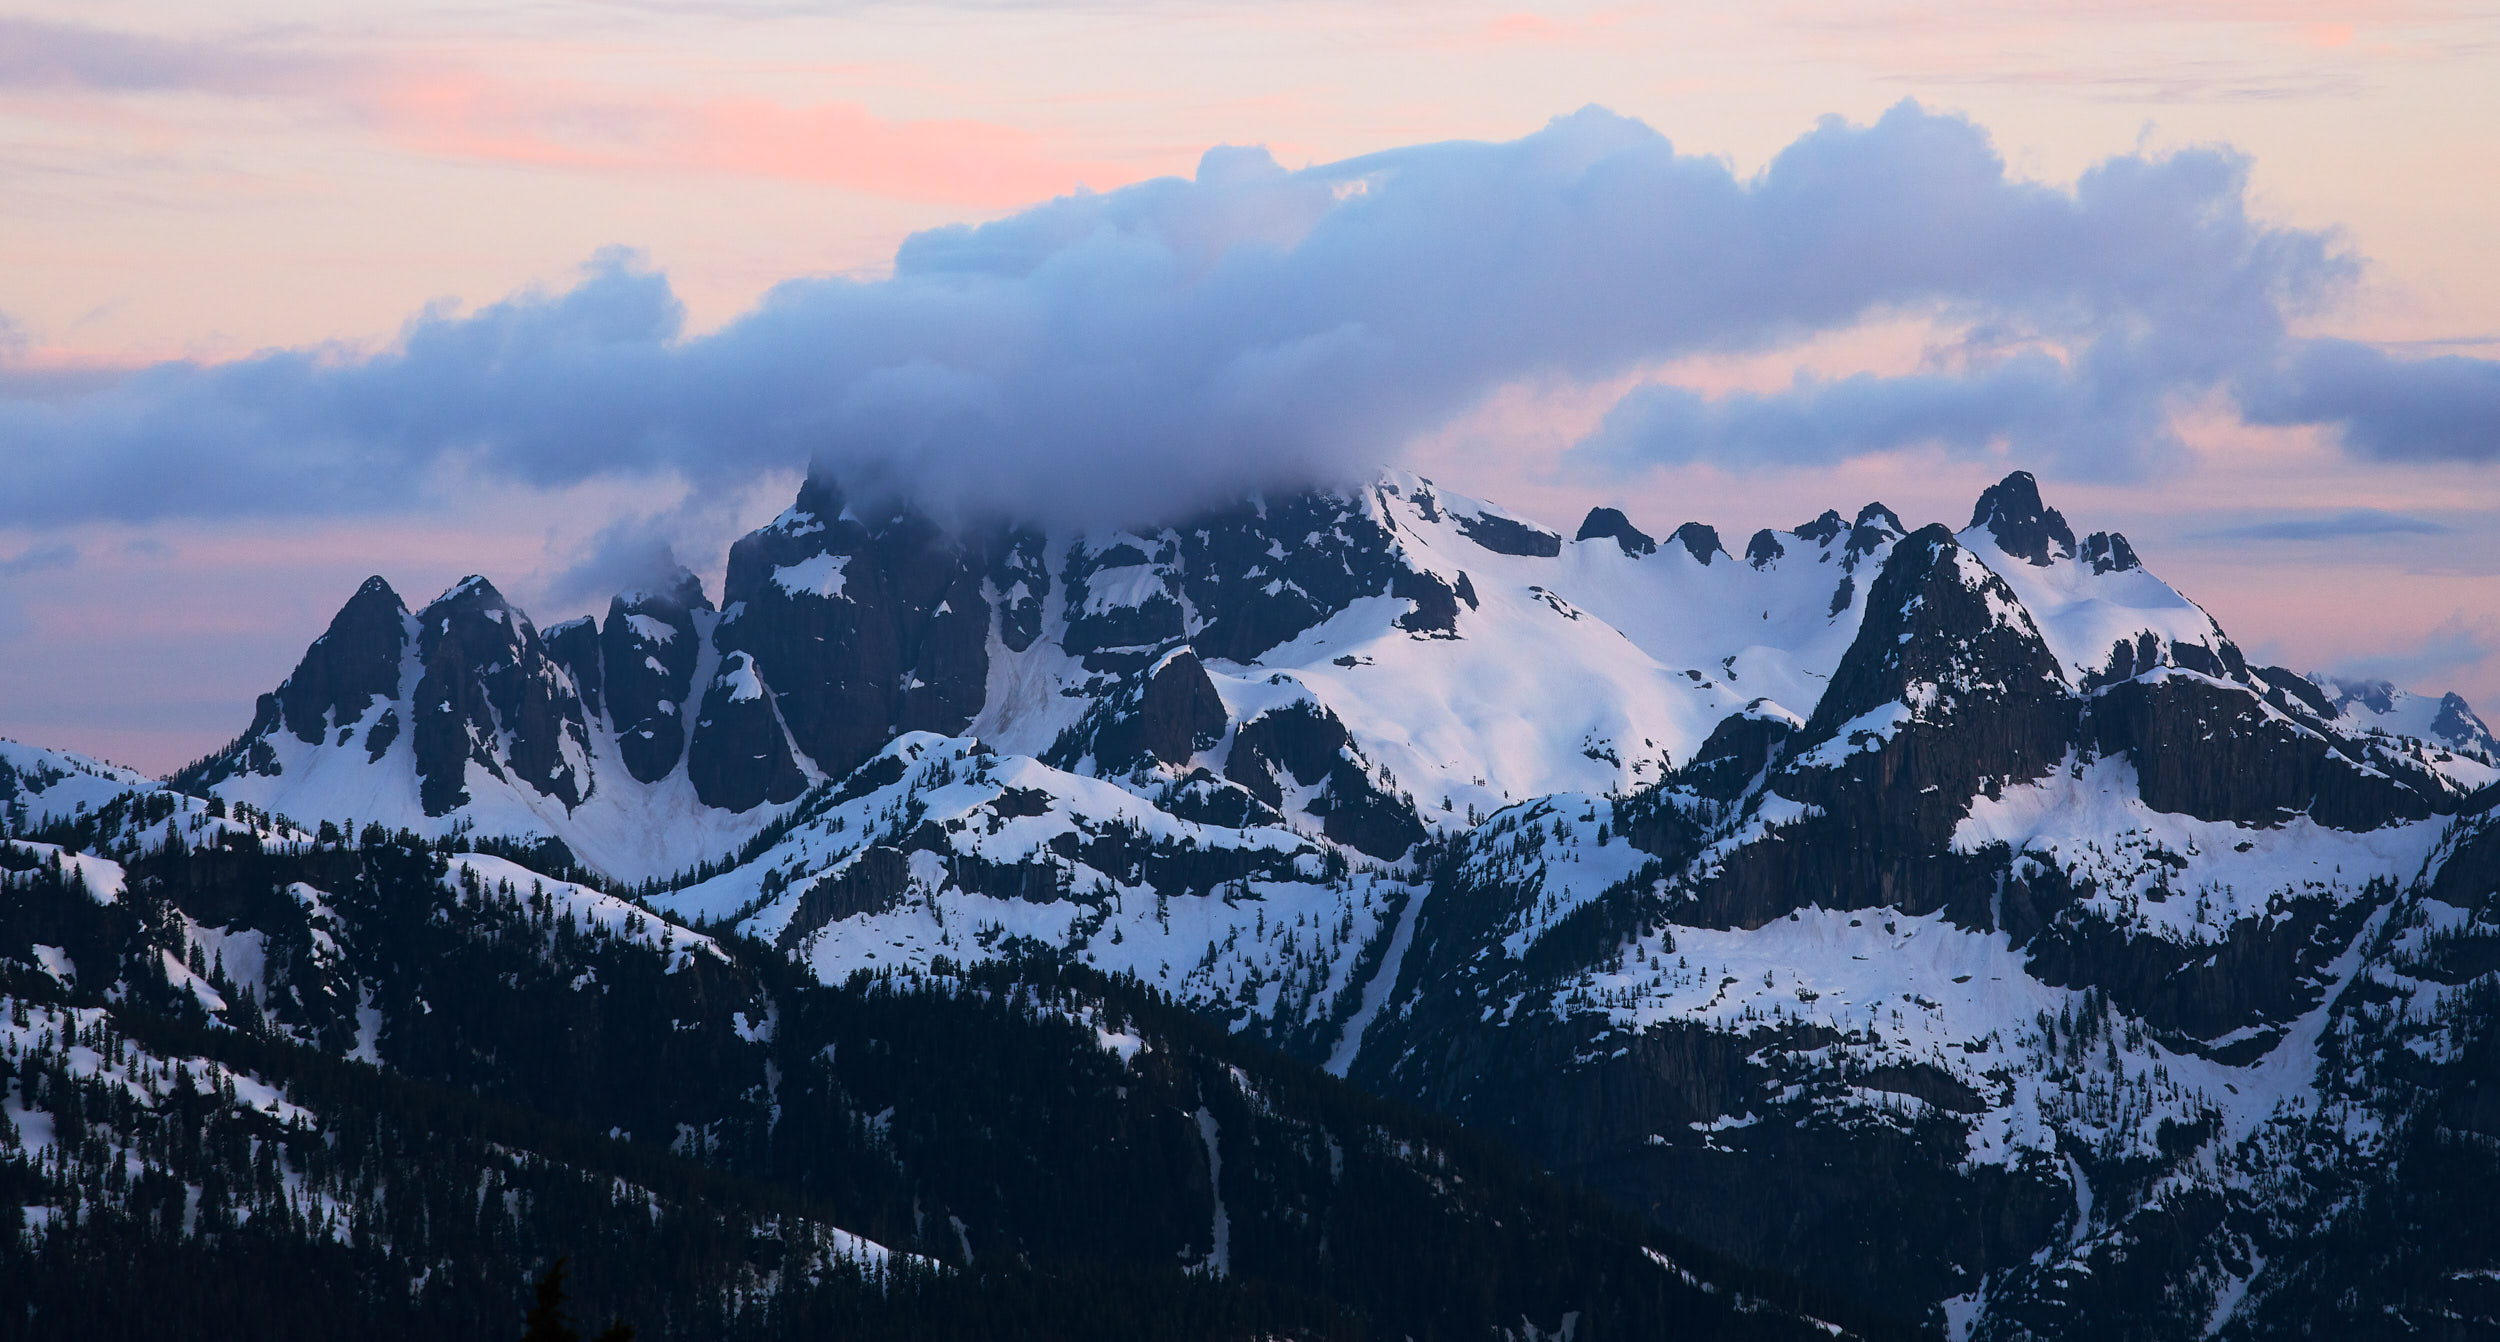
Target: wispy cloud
pixel 39 559
pixel 450 109
pixel 2455 647
pixel 2350 522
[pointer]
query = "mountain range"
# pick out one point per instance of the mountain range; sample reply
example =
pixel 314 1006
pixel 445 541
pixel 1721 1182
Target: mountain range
pixel 1861 928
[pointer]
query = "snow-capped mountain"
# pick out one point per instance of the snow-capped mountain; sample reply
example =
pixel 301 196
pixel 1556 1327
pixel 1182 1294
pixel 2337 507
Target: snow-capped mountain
pixel 1953 919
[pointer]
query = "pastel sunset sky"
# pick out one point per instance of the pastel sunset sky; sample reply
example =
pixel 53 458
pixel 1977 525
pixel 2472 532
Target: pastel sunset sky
pixel 292 293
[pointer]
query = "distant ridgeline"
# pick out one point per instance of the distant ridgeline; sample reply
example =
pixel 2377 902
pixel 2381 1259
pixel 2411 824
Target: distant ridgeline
pixel 1873 929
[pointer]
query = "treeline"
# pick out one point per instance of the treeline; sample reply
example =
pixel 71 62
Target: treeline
pixel 1032 1141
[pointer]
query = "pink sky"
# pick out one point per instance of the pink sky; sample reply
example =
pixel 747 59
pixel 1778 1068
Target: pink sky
pixel 203 182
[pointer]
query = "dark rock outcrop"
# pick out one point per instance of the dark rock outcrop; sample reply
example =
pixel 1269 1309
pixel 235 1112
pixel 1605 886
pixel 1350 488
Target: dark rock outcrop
pixel 355 661
pixel 1436 603
pixel 1611 524
pixel 1822 529
pixel 1699 541
pixel 1172 714
pixel 491 696
pixel 1307 743
pixel 874 628
pixel 2024 527
pixel 741 756
pixel 871 883
pixel 1948 691
pixel 1737 750
pixel 1875 525
pixel 2209 749
pixel 2108 552
pixel 1502 535
pixel 574 645
pixel 649 645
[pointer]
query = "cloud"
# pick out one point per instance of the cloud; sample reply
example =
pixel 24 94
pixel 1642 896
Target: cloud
pixel 38 55
pixel 1129 354
pixel 2445 408
pixel 2329 526
pixel 439 107
pixel 955 161
pixel 39 559
pixel 2456 646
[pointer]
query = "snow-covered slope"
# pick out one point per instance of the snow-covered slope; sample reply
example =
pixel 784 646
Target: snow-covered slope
pixel 1971 882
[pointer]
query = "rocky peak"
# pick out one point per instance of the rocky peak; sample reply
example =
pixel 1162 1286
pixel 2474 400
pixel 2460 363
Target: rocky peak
pixel 574 645
pixel 1940 630
pixel 868 627
pixel 1764 548
pixel 680 590
pixel 1699 540
pixel 491 695
pixel 2023 526
pixel 2457 725
pixel 355 661
pixel 1611 524
pixel 1875 525
pixel 740 756
pixel 1257 575
pixel 648 648
pixel 2108 552
pixel 1822 529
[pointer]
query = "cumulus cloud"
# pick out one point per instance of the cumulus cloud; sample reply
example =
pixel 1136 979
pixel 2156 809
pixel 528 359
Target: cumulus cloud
pixel 1134 353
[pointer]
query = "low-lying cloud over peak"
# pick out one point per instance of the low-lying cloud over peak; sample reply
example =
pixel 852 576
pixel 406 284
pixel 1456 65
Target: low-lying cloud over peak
pixel 1136 353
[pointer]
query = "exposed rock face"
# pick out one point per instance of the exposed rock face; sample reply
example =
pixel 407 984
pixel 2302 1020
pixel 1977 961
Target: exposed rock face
pixel 1611 524
pixel 2458 726
pixel 574 645
pixel 355 661
pixel 872 883
pixel 1947 692
pixel 1764 548
pixel 1503 535
pixel 874 628
pixel 2209 749
pixel 1306 742
pixel 490 696
pixel 1174 714
pixel 1822 528
pixel 1180 713
pixel 1258 575
pixel 649 646
pixel 741 755
pixel 1436 602
pixel 1699 541
pixel 2025 527
pixel 1875 525
pixel 2108 552
pixel 1739 749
